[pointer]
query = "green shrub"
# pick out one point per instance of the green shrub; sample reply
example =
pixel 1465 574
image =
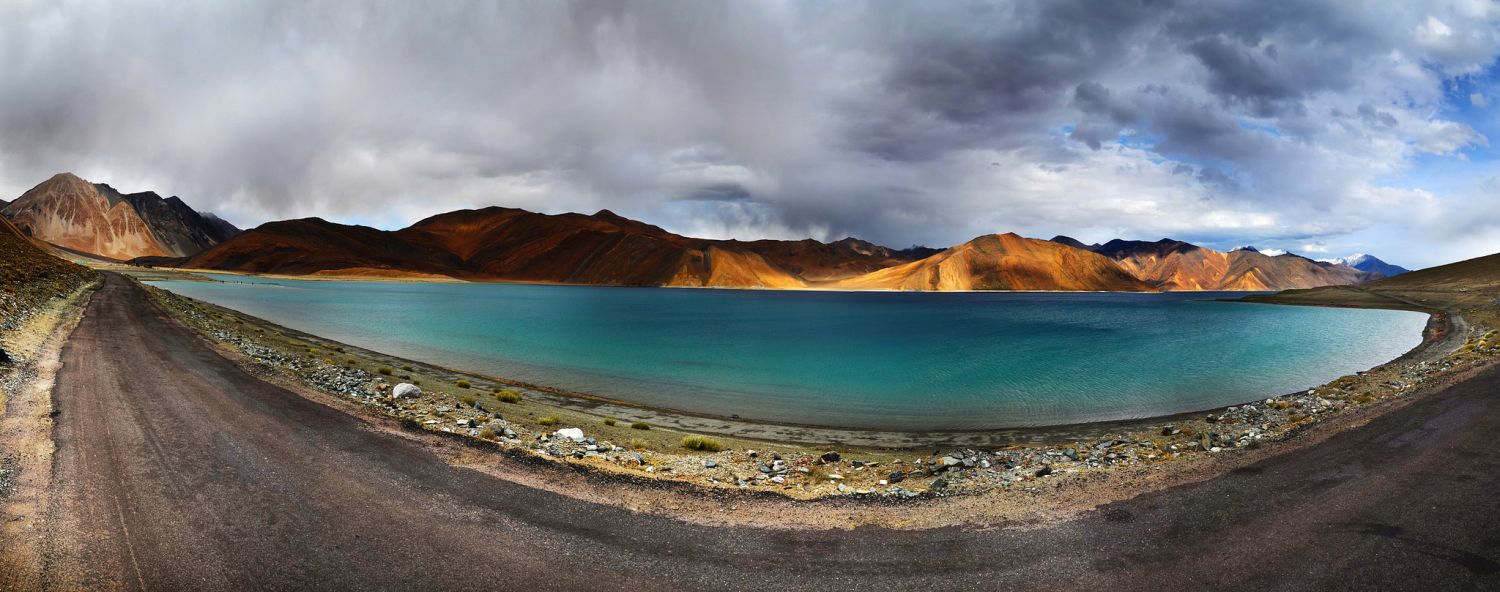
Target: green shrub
pixel 547 421
pixel 702 443
pixel 386 370
pixel 462 384
pixel 469 400
pixel 351 361
pixel 407 368
pixel 636 444
pixel 640 425
pixel 609 421
pixel 508 396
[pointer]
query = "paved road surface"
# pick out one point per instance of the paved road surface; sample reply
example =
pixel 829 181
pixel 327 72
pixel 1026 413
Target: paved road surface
pixel 175 470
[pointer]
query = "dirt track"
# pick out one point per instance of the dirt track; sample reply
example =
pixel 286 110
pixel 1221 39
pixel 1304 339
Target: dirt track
pixel 176 470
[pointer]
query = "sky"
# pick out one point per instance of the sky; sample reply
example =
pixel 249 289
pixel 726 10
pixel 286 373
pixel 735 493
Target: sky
pixel 1321 128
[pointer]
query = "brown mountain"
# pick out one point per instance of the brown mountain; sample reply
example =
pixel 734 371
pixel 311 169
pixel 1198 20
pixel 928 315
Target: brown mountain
pixel 517 245
pixel 96 219
pixel 1004 262
pixel 1175 265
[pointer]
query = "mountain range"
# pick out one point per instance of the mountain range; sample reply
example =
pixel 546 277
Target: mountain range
pixel 96 219
pixel 517 245
pixel 607 249
pixel 604 248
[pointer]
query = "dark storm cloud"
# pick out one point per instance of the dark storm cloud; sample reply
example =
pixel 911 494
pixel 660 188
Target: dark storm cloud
pixel 899 122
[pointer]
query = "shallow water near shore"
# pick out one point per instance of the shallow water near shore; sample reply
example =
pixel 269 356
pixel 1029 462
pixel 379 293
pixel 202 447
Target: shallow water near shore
pixel 896 361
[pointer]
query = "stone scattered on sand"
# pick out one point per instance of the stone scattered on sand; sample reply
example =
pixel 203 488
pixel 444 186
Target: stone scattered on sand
pixel 406 389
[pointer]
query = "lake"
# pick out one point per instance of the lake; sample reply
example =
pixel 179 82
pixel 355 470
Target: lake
pixel 884 360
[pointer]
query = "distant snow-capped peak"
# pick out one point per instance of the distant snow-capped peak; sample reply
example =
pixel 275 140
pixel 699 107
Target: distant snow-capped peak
pixel 1351 260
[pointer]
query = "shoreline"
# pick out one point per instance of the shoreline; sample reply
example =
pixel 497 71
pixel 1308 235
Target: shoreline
pixel 806 433
pixel 994 465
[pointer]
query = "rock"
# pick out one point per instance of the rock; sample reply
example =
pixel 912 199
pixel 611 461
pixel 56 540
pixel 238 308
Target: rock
pixel 831 456
pixel 708 464
pixel 509 433
pixel 938 484
pixel 463 423
pixel 949 461
pixel 574 434
pixel 405 390
pixel 1044 471
pixel 1071 454
pixel 895 477
pixel 778 479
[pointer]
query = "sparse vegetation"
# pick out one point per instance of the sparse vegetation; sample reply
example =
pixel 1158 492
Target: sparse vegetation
pixel 462 384
pixel 386 370
pixel 407 368
pixel 640 425
pixel 702 444
pixel 636 444
pixel 487 434
pixel 547 421
pixel 469 400
pixel 508 396
pixel 609 421
pixel 351 361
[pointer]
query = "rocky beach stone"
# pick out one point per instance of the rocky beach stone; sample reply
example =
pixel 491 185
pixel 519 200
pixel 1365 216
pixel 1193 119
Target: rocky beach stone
pixel 830 457
pixel 406 389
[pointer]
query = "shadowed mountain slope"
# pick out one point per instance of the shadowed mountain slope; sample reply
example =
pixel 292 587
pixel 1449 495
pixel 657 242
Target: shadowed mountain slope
pixel 1480 274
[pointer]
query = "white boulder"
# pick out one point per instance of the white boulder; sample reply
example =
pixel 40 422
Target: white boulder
pixel 406 389
pixel 573 434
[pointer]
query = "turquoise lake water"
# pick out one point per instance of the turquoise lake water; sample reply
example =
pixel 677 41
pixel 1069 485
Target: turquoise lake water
pixel 910 361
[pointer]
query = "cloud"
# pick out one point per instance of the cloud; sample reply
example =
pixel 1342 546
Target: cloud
pixel 1229 122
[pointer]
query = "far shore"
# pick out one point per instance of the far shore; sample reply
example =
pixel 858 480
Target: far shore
pixel 397 276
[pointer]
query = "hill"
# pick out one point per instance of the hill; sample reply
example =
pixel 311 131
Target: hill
pixel 1481 274
pixel 1004 262
pixel 29 276
pixel 96 219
